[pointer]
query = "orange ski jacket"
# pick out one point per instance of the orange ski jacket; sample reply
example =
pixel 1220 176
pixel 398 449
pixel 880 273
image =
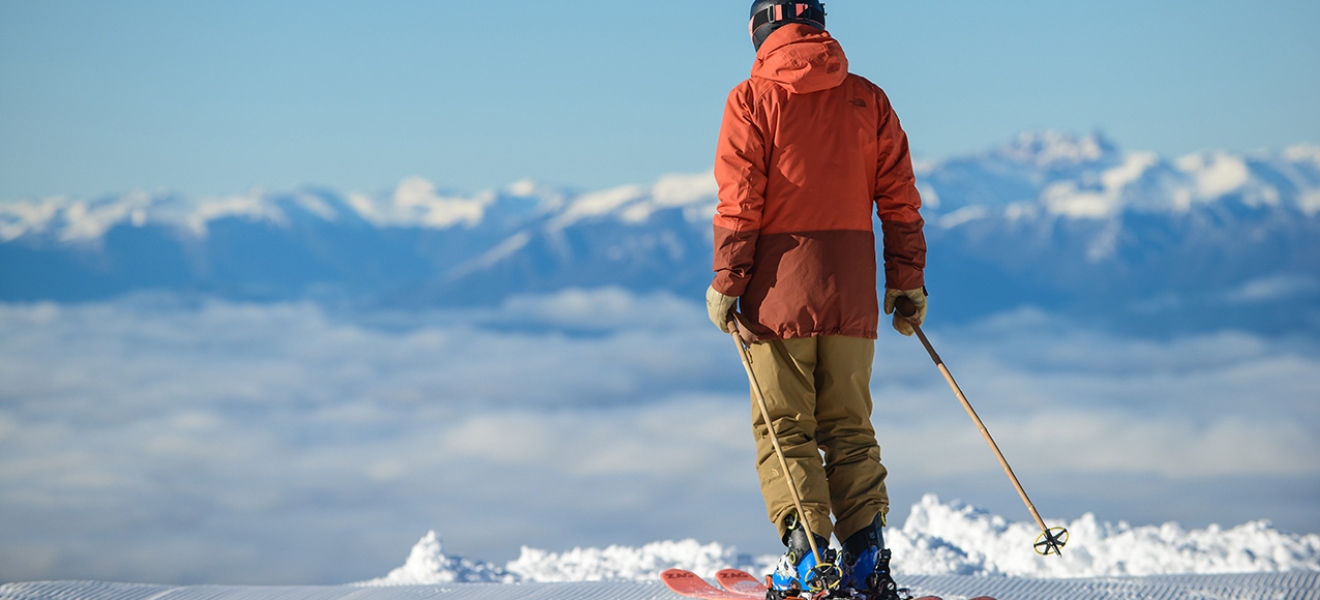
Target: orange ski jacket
pixel 806 150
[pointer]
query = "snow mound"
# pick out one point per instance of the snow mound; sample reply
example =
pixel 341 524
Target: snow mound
pixel 427 564
pixel 954 538
pixel 938 538
pixel 623 562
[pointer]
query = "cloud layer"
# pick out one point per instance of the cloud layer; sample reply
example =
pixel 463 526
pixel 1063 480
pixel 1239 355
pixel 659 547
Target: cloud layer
pixel 161 439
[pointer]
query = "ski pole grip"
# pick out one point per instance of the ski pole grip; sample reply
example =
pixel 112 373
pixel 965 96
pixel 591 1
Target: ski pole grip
pixel 905 306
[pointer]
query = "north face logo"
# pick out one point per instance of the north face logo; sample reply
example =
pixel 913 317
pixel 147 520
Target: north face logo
pixel 859 103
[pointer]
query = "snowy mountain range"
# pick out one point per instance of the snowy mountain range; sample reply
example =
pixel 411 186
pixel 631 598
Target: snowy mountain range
pixel 1062 222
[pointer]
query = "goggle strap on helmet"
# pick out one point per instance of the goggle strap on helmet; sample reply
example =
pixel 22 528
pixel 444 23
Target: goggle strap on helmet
pixel 794 11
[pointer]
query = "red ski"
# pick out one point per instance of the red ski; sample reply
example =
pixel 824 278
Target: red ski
pixel 738 585
pixel 741 582
pixel 687 583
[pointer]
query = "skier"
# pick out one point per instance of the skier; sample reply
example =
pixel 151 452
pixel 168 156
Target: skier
pixel 806 149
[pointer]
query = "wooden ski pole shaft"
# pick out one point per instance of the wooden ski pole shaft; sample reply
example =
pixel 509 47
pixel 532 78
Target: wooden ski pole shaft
pixel 907 309
pixel 746 357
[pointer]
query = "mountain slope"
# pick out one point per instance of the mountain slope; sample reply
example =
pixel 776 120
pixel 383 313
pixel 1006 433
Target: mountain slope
pixel 1062 222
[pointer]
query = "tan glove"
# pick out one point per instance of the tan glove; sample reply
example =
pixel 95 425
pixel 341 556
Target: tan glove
pixel 918 297
pixel 718 306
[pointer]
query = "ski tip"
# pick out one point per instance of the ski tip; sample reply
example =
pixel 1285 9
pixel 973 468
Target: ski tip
pixel 672 574
pixel 740 582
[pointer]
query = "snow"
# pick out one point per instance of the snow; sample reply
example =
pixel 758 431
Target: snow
pixel 510 246
pixel 1303 153
pixel 622 562
pixel 1065 198
pixel 427 563
pixel 1214 174
pixel 938 538
pixel 954 538
pixel 1133 167
pixel 1251 586
pixel 252 205
pixel 1073 199
pixel 597 204
pixel 415 202
pixel 695 193
pixel 310 203
pixel 1309 202
pixel 635 204
pixel 965 214
pixel 682 190
pixel 19 218
pixel 89 221
pixel 1051 149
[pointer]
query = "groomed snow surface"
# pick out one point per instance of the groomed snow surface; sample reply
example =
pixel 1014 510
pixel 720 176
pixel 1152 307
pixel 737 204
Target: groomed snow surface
pixel 938 538
pixel 1293 585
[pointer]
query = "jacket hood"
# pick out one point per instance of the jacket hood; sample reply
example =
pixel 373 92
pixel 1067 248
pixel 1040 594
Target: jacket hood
pixel 802 58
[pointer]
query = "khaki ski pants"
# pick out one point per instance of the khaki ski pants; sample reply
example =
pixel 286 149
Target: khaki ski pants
pixel 818 394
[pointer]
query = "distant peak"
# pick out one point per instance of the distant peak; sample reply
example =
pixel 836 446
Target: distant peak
pixel 1303 153
pixel 1052 149
pixel 523 187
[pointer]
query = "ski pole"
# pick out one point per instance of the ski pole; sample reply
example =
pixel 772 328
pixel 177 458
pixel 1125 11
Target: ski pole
pixel 746 357
pixel 1050 541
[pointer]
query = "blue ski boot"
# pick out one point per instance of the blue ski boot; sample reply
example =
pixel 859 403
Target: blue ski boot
pixel 866 563
pixel 798 575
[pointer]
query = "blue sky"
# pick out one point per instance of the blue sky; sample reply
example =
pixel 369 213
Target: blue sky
pixel 210 98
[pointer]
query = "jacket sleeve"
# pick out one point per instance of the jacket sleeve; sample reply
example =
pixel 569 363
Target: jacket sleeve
pixel 898 205
pixel 741 160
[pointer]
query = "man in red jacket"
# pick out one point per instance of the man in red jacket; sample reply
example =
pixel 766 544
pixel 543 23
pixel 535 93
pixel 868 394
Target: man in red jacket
pixel 806 152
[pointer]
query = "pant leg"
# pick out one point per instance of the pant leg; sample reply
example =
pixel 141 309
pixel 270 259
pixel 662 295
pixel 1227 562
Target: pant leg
pixel 843 428
pixel 785 370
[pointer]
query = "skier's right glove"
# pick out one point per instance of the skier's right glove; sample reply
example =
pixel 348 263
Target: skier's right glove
pixel 719 307
pixel 918 297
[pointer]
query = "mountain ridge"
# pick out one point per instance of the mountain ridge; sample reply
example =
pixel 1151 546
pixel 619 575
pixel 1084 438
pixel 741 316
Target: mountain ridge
pixel 1050 219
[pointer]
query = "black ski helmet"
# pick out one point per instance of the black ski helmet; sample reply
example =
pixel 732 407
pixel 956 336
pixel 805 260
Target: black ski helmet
pixel 769 15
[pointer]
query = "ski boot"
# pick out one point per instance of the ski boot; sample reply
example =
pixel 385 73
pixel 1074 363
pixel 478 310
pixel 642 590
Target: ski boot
pixel 798 575
pixel 866 564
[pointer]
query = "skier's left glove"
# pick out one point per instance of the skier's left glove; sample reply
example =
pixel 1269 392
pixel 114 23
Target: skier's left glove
pixel 719 306
pixel 918 297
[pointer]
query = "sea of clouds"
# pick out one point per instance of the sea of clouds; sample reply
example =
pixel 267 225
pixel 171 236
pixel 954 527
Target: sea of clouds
pixel 172 439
